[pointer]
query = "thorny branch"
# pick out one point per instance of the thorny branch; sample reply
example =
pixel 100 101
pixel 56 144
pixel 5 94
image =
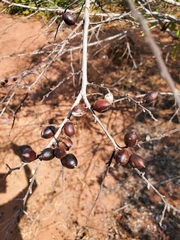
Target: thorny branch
pixel 156 51
pixel 83 95
pixel 162 19
pixel 166 204
pixel 172 2
pixel 125 97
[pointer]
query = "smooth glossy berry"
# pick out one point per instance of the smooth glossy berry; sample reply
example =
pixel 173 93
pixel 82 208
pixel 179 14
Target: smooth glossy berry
pixel 47 154
pixel 58 12
pixel 69 129
pixel 102 105
pixel 150 97
pixel 69 161
pixel 130 139
pixel 24 148
pixel 79 110
pixel 48 132
pixel 66 143
pixel 59 152
pixel 69 18
pixel 136 161
pixel 28 155
pixel 122 157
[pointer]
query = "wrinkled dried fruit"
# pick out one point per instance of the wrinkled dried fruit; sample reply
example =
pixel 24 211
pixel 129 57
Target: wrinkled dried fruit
pixel 59 152
pixel 69 161
pixel 136 161
pixel 68 18
pixel 109 97
pixel 79 110
pixel 46 154
pixel 130 139
pixel 150 97
pixel 122 157
pixel 69 129
pixel 102 105
pixel 66 143
pixel 48 132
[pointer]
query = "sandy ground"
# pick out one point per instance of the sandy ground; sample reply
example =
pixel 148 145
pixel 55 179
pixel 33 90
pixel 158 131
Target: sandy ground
pixel 60 204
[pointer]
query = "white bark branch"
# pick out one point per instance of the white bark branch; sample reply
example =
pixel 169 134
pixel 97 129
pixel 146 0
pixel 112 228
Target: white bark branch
pixel 172 2
pixel 156 51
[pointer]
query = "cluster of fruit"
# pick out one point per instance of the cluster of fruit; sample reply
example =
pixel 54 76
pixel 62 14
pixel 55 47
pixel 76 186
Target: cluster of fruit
pixel 123 156
pixel 6 80
pixel 67 159
pixel 103 105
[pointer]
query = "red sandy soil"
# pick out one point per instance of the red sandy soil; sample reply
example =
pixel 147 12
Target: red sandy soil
pixel 60 205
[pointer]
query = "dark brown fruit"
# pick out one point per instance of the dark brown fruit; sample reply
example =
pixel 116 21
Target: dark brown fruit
pixel 66 143
pixel 48 132
pixel 136 161
pixel 69 129
pixel 24 148
pixel 68 18
pixel 102 105
pixel 59 152
pixel 58 12
pixel 47 154
pixel 130 139
pixel 150 97
pixel 122 157
pixel 79 110
pixel 28 155
pixel 69 161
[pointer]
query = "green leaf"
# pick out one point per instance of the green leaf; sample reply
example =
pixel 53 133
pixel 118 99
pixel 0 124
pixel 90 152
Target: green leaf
pixel 178 33
pixel 173 26
pixel 175 51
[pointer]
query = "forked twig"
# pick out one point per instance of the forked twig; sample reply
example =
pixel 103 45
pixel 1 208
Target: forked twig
pixel 58 50
pixel 100 189
pixel 18 109
pixel 166 204
pixel 14 221
pixel 125 97
pixel 156 51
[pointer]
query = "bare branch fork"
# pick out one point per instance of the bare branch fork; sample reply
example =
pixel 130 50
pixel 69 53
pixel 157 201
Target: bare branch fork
pixel 83 95
pixel 164 73
pixel 156 51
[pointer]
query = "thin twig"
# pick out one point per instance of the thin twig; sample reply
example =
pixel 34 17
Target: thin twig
pixel 100 189
pixel 156 51
pixel 166 204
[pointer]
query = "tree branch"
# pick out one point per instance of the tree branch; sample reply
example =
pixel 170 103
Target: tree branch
pixel 156 51
pixel 172 2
